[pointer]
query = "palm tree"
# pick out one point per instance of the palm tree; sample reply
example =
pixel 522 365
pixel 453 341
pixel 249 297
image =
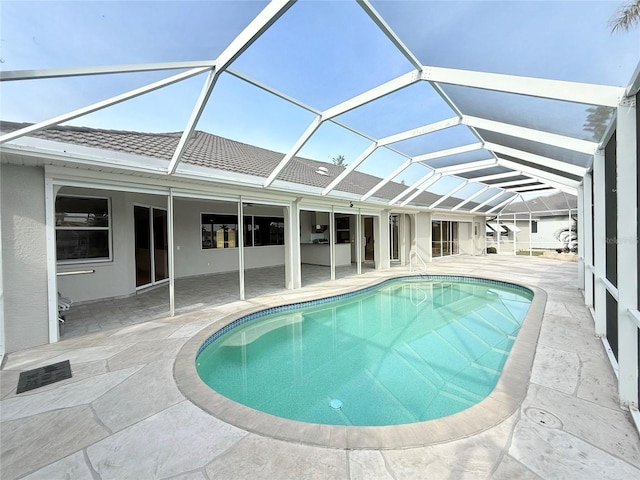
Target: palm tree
pixel 626 17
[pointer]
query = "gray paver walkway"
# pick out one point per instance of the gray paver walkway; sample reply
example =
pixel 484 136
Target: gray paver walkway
pixel 121 415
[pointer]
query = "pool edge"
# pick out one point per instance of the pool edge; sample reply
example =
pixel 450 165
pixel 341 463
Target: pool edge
pixel 498 406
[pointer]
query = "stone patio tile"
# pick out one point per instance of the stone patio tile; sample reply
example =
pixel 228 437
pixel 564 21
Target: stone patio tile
pixel 511 469
pixel 557 369
pixel 145 393
pixel 69 341
pixel 31 443
pixel 148 351
pixel 552 453
pixel 557 308
pixel 473 457
pixel 261 457
pixel 89 354
pixel 71 467
pixel 570 338
pixel 79 371
pixel 177 440
pixel 190 329
pixel 582 313
pixel 78 393
pixel 608 429
pixel 32 358
pixel 200 475
pixel 8 382
pixel 162 439
pixel 367 465
pixel 142 332
pixel 598 383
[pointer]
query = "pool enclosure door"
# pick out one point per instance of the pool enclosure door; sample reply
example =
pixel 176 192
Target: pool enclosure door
pixel 151 245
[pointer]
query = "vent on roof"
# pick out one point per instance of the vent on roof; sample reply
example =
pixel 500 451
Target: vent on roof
pixel 322 171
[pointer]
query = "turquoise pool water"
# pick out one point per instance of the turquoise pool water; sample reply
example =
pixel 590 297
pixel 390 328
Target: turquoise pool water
pixel 408 350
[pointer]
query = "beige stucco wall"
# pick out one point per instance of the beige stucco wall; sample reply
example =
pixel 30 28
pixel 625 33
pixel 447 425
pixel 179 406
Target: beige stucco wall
pixel 115 278
pixel 423 236
pixel 191 259
pixel 24 257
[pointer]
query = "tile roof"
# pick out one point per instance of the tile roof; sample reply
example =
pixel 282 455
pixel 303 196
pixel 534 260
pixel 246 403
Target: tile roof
pixel 208 150
pixel 554 204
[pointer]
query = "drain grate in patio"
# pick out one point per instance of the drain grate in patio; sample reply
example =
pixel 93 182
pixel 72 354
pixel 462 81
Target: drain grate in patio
pixel 39 377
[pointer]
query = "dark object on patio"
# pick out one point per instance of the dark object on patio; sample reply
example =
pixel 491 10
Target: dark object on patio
pixel 39 377
pixel 491 250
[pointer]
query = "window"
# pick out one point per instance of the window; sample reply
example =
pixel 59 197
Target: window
pixel 534 226
pixel 82 228
pixel 267 231
pixel 220 231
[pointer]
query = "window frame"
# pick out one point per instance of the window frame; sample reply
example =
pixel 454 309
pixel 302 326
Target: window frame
pixel 108 229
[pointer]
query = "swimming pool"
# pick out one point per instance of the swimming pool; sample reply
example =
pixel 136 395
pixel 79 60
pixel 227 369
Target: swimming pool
pixel 404 351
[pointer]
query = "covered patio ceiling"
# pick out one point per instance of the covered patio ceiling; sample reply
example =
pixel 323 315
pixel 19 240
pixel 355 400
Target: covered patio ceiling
pixel 477 100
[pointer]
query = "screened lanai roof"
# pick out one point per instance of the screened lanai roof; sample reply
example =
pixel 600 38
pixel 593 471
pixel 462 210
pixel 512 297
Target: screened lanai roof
pixel 433 103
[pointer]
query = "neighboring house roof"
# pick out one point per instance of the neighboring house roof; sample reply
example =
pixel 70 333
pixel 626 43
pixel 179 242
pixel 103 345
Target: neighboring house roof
pixel 548 205
pixel 208 150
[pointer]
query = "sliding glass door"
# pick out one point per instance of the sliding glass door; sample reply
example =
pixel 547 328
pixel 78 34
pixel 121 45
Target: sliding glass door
pixel 444 238
pixel 151 245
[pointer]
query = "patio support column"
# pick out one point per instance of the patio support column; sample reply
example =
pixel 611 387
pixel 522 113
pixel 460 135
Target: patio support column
pixel 586 239
pixel 627 239
pixel 570 229
pixel 600 243
pixel 359 243
pixel 2 340
pixel 484 237
pixel 403 224
pixel 293 276
pixel 241 247
pixel 515 235
pixel 474 237
pixel 530 236
pixel 332 243
pixel 498 233
pixel 414 239
pixel 52 280
pixel 382 240
pixel 580 234
pixel 423 240
pixel 170 253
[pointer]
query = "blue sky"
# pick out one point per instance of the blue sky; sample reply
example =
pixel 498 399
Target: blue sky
pixel 319 52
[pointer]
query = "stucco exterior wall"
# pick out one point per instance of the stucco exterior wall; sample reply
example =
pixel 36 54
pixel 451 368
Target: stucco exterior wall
pixel 465 240
pixel 191 259
pixel 115 278
pixel 479 239
pixel 545 236
pixel 423 236
pixel 24 257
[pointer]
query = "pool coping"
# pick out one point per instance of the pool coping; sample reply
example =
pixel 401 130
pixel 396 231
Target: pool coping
pixel 499 405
